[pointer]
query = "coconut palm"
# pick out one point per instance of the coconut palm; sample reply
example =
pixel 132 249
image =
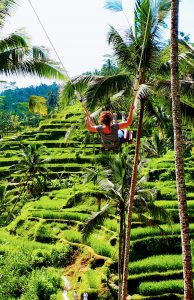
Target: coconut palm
pixel 18 56
pixel 178 150
pixel 31 165
pixel 149 17
pixel 118 168
pixel 137 53
pixel 96 175
pixel 38 105
pixel 33 174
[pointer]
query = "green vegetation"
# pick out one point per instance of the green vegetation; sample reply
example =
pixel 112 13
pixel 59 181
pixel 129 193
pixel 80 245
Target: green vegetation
pixel 48 226
pixel 63 201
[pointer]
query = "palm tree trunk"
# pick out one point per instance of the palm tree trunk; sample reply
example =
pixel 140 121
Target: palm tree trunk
pixel 130 203
pixel 99 198
pixel 178 150
pixel 121 248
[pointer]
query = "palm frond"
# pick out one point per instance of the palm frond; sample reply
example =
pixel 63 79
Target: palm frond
pixel 147 33
pixel 14 41
pixel 100 90
pixel 187 89
pixel 123 49
pixel 159 213
pixel 5 10
pixel 163 9
pixel 186 45
pixel 40 53
pixel 144 91
pixel 47 69
pixel 79 84
pixel 96 219
pixel 68 133
pixel 114 5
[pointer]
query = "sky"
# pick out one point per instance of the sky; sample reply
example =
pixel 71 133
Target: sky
pixel 78 30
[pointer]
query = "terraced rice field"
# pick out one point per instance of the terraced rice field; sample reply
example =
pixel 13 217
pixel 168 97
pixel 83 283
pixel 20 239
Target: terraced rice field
pixel 155 266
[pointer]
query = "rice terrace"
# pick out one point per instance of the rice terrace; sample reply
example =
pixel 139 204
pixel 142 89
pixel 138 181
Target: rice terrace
pixel 97 169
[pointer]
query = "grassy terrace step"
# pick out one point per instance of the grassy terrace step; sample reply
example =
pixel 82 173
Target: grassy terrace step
pixel 8 161
pixel 64 174
pixel 65 215
pixel 134 281
pixel 55 126
pixel 162 287
pixel 70 159
pixel 50 135
pixel 173 203
pixel 4 172
pixel 157 263
pixel 66 167
pixel 48 144
pixel 143 232
pixel 9 154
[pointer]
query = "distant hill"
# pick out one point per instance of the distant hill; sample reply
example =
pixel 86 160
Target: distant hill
pixel 12 97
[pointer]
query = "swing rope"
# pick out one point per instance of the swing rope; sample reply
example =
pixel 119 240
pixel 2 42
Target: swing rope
pixel 136 83
pixel 54 49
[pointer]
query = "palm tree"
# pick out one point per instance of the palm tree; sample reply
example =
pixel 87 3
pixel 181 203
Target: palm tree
pixel 37 104
pixel 18 56
pixel 96 175
pixel 31 166
pixel 139 52
pixel 156 146
pixel 115 184
pixel 178 150
pixel 33 174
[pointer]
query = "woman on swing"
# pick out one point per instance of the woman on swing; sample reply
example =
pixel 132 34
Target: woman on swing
pixel 111 133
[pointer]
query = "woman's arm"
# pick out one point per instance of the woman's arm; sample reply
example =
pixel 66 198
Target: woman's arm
pixel 90 127
pixel 129 119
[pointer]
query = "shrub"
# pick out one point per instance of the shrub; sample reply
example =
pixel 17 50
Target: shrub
pixel 61 255
pixel 41 257
pixel 44 233
pixel 42 285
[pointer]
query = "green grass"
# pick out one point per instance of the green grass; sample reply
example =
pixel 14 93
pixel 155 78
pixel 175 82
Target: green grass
pixel 73 236
pixel 46 203
pixel 101 246
pixel 111 224
pixel 173 203
pixel 60 215
pixel 162 287
pixel 160 263
pixel 93 279
pixel 143 232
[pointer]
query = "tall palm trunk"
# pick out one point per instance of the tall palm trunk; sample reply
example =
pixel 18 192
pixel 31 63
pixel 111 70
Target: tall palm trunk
pixel 178 149
pixel 131 201
pixel 121 248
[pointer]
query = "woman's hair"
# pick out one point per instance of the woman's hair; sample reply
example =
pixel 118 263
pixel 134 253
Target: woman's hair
pixel 105 117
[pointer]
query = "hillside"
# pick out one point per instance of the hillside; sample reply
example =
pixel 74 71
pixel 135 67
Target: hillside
pixel 43 239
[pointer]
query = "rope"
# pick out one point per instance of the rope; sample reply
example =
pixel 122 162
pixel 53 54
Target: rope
pixel 136 84
pixel 53 47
